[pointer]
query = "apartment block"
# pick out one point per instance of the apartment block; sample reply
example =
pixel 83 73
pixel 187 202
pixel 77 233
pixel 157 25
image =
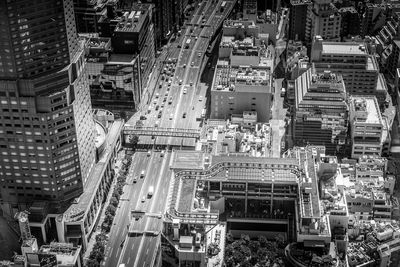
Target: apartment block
pixel 321 110
pixel 366 126
pixel 350 59
pixel 46 126
pixel 323 19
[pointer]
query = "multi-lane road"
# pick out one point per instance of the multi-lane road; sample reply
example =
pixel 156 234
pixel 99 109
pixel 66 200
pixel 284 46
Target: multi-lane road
pixel 136 247
pixel 175 100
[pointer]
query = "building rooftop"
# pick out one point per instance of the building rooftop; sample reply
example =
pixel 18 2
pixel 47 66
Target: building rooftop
pixel 133 21
pixel 346 48
pixel 300 2
pixel 81 205
pixel 193 160
pixel 122 58
pixel 242 79
pixel 366 109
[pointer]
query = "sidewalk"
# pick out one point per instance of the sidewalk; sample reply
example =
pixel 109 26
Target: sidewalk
pixel 97 229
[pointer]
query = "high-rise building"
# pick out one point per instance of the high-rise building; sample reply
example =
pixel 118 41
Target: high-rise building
pixel 366 127
pixel 321 110
pixel 88 13
pixel 297 19
pixel 351 22
pixel 47 133
pixel 114 78
pixel 323 19
pixel 167 18
pixel 134 34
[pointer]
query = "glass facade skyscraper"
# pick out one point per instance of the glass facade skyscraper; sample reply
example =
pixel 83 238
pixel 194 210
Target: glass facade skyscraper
pixel 47 133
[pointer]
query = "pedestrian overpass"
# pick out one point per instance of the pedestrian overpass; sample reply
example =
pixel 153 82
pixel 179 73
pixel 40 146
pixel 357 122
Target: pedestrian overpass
pixel 160 131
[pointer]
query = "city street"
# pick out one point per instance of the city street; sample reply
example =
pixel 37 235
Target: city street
pixel 157 174
pixel 178 100
pixel 175 99
pixel 278 120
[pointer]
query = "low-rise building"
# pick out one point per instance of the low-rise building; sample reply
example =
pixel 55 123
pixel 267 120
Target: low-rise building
pixel 56 254
pixel 238 89
pixel 366 127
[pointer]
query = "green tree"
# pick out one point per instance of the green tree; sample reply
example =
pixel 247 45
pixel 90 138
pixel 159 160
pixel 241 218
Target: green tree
pixel 105 227
pixel 133 141
pixel 101 238
pixel 92 263
pixel 116 194
pixel 111 210
pixel 108 219
pixel 114 201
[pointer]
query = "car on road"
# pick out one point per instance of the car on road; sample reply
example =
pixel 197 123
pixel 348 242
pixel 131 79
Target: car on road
pixel 179 46
pixel 143 118
pixel 143 199
pixel 283 91
pixel 162 153
pixel 199 54
pixel 135 179
pixel 184 115
pixel 192 64
pixel 171 116
pixel 180 82
pixel 200 98
pixel 191 83
pixel 170 100
pixel 151 191
pixel 142 174
pixel 166 94
pixel 159 114
pixel 148 153
pixel 184 91
pixel 157 107
pixel 157 95
pixel 184 65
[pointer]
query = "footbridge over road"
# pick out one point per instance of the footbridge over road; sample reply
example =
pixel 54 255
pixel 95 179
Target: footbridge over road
pixel 159 131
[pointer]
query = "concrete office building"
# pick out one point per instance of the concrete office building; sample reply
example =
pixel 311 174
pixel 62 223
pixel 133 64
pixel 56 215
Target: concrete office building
pixel 323 19
pixel 47 130
pixel 366 126
pixel 350 59
pixel 321 110
pixel 134 34
pixel 237 89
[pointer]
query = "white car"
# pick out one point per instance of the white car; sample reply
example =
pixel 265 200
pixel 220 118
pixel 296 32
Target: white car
pixel 143 199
